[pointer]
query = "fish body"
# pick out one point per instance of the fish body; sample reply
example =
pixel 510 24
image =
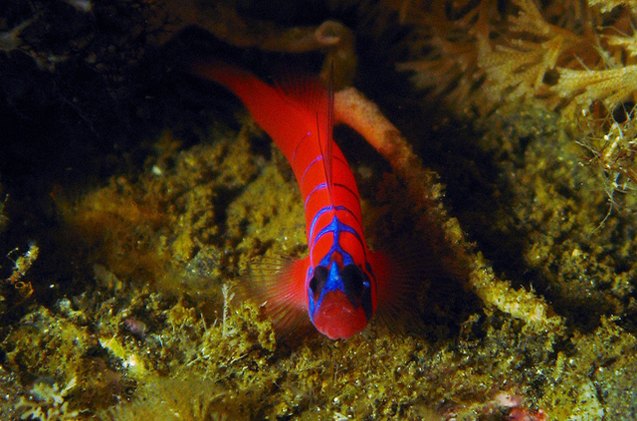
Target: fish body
pixel 338 282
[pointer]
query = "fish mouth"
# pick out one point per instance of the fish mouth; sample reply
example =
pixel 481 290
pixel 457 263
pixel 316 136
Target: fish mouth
pixel 337 318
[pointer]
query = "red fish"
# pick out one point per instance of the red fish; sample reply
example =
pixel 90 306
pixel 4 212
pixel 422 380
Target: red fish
pixel 341 281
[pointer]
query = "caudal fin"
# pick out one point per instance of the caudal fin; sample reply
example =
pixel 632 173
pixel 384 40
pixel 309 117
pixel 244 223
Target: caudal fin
pixel 283 117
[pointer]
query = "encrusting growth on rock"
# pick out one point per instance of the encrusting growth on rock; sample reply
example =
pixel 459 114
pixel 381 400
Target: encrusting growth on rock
pixel 358 112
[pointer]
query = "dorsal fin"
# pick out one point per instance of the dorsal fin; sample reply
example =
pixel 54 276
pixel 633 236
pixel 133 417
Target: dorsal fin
pixel 327 151
pixel 303 89
pixel 311 93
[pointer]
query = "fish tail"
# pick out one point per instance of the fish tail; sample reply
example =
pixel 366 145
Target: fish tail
pixel 284 119
pixel 237 80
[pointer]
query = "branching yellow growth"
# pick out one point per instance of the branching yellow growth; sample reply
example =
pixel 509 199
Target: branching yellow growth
pixel 525 52
pixel 578 58
pixel 584 87
pixel 517 65
pixel 450 51
pixel 624 42
pixel 607 5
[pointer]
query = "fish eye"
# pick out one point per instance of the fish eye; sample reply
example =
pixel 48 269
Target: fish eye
pixel 318 281
pixel 354 280
pixel 357 288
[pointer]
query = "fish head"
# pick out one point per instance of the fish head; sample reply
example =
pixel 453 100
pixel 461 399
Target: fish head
pixel 340 299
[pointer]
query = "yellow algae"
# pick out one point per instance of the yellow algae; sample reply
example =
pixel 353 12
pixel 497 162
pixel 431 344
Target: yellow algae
pixel 590 383
pixel 188 398
pixel 278 219
pixel 61 342
pixel 197 339
pixel 48 402
pixel 63 356
pixel 148 231
pixel 130 361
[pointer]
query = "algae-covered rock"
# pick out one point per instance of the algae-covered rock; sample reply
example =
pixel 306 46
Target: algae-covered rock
pixel 141 208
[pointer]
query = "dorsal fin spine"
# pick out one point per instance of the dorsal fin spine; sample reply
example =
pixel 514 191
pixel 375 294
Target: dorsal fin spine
pixel 326 144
